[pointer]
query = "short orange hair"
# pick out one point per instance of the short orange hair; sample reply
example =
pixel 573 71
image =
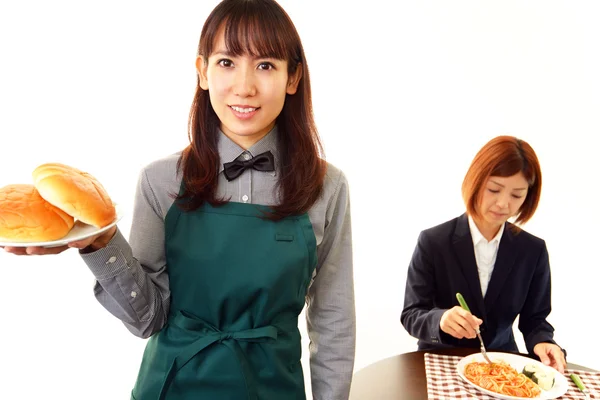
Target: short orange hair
pixel 503 156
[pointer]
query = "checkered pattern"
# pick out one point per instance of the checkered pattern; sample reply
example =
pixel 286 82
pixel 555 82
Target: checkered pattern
pixel 444 383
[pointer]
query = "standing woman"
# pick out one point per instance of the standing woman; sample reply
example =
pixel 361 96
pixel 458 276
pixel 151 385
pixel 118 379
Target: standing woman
pixel 231 237
pixel 501 270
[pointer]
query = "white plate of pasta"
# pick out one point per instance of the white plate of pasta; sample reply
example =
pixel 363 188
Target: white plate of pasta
pixel 504 379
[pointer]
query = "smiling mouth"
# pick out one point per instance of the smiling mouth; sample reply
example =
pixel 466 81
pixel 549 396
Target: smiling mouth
pixel 244 110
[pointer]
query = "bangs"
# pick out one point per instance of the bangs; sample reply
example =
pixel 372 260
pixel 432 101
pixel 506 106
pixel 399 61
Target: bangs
pixel 253 28
pixel 247 35
pixel 512 166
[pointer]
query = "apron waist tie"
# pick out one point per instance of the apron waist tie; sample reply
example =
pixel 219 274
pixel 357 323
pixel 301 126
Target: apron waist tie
pixel 212 335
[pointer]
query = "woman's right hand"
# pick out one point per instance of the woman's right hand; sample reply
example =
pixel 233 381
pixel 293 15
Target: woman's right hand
pixel 459 323
pixel 88 245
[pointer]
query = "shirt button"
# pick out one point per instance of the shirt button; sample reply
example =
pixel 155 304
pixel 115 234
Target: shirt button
pixel 246 156
pixel 133 294
pixel 244 198
pixel 112 260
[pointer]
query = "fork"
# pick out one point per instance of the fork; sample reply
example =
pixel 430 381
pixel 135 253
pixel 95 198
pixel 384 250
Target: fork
pixel 464 305
pixel 581 386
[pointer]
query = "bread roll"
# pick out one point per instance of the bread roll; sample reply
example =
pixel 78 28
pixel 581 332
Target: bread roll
pixel 26 217
pixel 77 193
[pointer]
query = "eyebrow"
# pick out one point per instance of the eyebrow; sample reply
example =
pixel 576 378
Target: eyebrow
pixel 228 53
pixel 224 53
pixel 525 188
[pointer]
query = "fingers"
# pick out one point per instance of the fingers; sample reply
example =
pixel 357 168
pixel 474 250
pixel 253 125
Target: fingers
pixel 460 323
pixel 552 355
pixel 467 321
pixel 463 328
pixel 41 251
pixel 81 244
pixel 34 250
pixel 19 251
pixel 453 332
pixel 544 359
pixel 558 359
pixel 95 242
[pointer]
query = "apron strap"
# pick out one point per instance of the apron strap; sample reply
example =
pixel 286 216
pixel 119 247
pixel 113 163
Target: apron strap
pixel 210 335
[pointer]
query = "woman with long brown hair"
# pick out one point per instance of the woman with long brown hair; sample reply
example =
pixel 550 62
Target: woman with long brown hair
pixel 501 270
pixel 231 237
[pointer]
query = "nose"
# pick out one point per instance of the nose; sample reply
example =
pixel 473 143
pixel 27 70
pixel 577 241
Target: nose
pixel 244 82
pixel 503 200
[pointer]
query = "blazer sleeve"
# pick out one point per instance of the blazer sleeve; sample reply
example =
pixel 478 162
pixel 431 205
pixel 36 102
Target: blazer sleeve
pixel 419 316
pixel 537 307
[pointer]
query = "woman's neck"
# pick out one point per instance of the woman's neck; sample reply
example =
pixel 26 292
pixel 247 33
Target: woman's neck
pixel 247 141
pixel 489 231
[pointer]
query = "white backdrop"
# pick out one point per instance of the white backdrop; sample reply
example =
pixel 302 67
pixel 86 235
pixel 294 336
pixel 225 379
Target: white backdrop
pixel 403 99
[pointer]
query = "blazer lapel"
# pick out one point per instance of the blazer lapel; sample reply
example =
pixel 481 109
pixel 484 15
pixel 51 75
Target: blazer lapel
pixel 505 260
pixel 463 245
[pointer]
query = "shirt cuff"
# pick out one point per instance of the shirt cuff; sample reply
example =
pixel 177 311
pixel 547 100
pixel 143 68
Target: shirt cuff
pixel 110 261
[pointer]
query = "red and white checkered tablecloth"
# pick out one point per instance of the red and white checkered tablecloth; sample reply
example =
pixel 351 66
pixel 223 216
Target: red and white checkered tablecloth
pixel 444 383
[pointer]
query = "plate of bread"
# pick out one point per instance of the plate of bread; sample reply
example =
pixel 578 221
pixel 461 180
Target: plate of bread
pixel 62 205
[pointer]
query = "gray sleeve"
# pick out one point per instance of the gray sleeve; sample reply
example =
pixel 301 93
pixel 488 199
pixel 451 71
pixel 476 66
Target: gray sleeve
pixel 131 278
pixel 330 311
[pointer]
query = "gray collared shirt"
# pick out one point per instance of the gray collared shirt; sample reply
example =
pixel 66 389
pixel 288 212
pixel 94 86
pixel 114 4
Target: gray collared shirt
pixel 132 280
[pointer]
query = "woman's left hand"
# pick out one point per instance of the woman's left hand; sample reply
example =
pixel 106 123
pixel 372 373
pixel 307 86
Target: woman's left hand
pixel 552 355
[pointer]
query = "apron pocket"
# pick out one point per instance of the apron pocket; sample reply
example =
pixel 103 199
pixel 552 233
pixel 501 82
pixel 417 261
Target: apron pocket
pixel 280 237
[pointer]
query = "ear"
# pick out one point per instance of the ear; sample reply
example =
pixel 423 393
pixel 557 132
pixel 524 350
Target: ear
pixel 294 80
pixel 201 67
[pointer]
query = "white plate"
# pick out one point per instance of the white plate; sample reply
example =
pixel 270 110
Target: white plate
pixel 561 385
pixel 78 232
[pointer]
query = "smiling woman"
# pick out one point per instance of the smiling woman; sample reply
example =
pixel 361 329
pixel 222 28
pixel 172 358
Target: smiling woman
pixel 249 80
pixel 232 236
pixel 247 91
pixel 503 270
pixel 403 101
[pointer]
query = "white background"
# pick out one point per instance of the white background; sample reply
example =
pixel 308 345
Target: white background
pixel 403 99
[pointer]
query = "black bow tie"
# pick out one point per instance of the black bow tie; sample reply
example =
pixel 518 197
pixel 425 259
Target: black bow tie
pixel 261 162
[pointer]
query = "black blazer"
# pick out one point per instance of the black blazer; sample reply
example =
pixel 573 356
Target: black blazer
pixel 444 263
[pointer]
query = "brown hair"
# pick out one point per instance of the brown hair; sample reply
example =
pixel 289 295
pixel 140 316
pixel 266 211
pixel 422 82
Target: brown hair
pixel 503 156
pixel 256 28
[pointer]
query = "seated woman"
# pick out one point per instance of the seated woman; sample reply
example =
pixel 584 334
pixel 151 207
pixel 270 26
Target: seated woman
pixel 501 270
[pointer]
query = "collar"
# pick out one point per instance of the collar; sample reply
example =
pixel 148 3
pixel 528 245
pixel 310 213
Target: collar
pixel 229 150
pixel 478 237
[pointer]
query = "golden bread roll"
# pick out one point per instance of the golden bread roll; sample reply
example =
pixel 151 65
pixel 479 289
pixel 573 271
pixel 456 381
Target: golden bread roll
pixel 77 193
pixel 26 217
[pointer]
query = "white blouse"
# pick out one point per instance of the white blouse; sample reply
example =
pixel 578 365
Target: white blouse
pixel 485 253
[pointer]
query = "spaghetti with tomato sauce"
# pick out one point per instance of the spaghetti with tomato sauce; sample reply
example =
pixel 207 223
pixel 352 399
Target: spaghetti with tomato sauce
pixel 500 377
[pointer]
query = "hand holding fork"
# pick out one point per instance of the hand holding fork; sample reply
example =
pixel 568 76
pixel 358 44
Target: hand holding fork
pixel 464 305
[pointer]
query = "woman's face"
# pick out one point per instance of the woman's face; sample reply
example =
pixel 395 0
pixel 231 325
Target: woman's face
pixel 502 198
pixel 247 93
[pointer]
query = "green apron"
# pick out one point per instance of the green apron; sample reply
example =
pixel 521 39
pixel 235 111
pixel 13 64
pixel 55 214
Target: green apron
pixel 238 283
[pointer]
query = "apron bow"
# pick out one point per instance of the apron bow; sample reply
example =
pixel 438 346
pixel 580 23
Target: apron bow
pixel 210 335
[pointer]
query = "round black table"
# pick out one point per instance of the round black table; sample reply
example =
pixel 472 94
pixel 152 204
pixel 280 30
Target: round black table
pixel 402 377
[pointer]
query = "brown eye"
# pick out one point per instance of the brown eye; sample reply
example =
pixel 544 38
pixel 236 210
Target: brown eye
pixel 225 63
pixel 265 66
